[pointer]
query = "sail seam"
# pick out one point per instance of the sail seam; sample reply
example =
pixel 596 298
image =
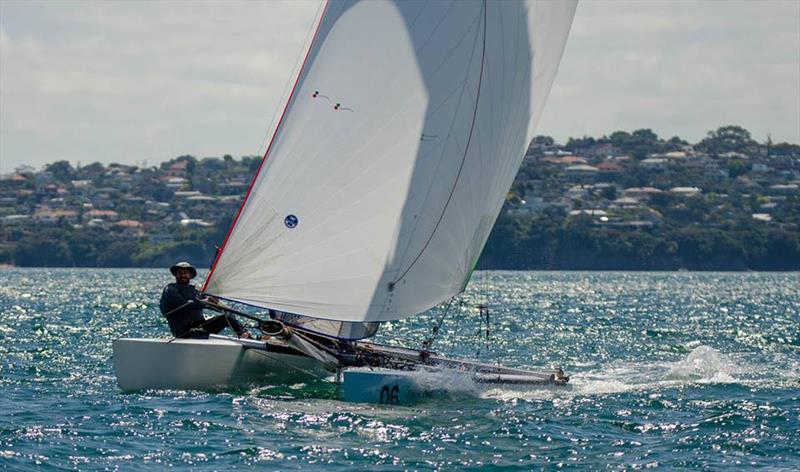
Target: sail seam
pixel 463 159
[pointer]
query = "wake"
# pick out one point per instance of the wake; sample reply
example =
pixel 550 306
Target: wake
pixel 703 365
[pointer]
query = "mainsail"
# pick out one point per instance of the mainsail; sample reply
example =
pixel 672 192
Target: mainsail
pixel 398 144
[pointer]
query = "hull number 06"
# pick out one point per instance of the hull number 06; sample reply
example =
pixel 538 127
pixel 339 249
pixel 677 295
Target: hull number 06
pixel 390 395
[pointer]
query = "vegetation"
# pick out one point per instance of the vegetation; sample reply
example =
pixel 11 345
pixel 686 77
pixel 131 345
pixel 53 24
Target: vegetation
pixel 552 240
pixel 739 208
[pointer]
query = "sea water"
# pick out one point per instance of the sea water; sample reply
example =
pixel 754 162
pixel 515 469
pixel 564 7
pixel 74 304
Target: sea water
pixel 668 370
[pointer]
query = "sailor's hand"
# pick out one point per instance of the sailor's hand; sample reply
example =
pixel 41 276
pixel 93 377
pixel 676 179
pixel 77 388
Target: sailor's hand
pixel 211 300
pixel 206 298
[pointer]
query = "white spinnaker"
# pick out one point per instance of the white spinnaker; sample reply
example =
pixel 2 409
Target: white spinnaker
pixel 406 128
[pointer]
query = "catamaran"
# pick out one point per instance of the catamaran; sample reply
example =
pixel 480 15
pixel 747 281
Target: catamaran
pixel 397 145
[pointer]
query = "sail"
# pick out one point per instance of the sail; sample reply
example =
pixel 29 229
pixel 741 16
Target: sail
pixel 398 144
pixel 337 329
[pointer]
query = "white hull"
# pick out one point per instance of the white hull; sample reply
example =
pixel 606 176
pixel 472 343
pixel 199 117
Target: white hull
pixel 218 362
pixel 223 362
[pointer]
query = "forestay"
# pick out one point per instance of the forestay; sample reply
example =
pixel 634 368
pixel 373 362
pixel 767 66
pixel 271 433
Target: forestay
pixel 399 142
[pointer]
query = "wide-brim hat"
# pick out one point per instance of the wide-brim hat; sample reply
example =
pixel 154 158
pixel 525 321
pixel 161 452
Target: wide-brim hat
pixel 183 265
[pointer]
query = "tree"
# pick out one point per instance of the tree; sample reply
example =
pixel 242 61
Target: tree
pixel 639 144
pixel 609 193
pixel 643 143
pixel 676 143
pixel 61 170
pixel 785 149
pixel 737 167
pixel 91 171
pixel 620 139
pixel 191 162
pixel 43 250
pixel 729 138
pixel 645 135
pixel 574 144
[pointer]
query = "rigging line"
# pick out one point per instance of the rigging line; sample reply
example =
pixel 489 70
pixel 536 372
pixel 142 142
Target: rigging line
pixel 428 343
pixel 457 327
pixel 463 159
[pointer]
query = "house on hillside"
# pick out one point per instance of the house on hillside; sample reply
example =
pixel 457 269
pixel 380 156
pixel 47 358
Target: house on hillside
pixel 654 163
pixel 685 191
pixel 130 228
pixel 626 203
pixel 177 169
pixel 195 222
pixel 604 150
pixel 187 193
pixel 609 169
pixel 48 216
pixel 102 215
pixel 602 214
pixel 784 189
pixel 175 182
pixel 14 180
pixel 567 160
pixel 641 193
pixel 581 173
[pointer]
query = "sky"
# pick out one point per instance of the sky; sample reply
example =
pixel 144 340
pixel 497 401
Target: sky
pixel 142 82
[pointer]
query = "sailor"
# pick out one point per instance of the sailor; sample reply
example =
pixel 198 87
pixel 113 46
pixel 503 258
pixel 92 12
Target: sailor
pixel 185 314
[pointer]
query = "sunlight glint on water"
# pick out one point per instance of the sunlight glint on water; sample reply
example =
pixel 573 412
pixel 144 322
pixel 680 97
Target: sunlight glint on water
pixel 668 370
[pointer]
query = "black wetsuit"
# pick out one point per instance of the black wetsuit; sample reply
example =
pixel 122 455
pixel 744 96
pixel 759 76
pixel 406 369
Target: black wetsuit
pixel 185 315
